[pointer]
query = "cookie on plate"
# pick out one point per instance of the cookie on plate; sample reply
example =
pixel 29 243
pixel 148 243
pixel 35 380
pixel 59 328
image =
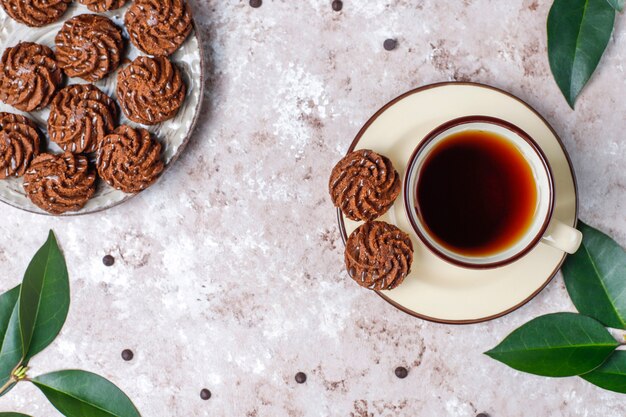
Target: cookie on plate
pixel 35 13
pixel 150 90
pixel 80 117
pixel 29 76
pixel 364 185
pixel 129 159
pixel 378 256
pixel 102 5
pixel 20 142
pixel 89 46
pixel 158 27
pixel 60 183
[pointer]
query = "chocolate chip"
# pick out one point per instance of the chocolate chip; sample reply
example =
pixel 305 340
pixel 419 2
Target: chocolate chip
pixel 337 5
pixel 205 394
pixel 108 260
pixel 127 355
pixel 256 3
pixel 482 415
pixel 390 44
pixel 300 377
pixel 401 372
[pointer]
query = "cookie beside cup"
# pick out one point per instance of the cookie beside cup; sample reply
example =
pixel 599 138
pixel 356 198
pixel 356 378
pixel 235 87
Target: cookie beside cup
pixel 364 185
pixel 378 256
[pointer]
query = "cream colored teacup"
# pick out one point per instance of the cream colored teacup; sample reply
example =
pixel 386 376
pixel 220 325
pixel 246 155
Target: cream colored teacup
pixel 543 226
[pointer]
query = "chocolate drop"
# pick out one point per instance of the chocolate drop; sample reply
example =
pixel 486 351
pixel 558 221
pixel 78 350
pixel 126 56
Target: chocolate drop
pixel 390 44
pixel 108 260
pixel 205 394
pixel 127 355
pixel 401 372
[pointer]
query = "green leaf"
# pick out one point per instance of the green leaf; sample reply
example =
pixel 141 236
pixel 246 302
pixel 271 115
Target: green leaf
pixel 611 375
pixel 11 348
pixel 79 393
pixel 44 298
pixel 578 33
pixel 561 344
pixel 617 4
pixel 13 415
pixel 7 305
pixel 595 277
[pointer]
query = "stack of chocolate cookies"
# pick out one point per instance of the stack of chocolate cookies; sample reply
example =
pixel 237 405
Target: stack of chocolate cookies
pixel 83 120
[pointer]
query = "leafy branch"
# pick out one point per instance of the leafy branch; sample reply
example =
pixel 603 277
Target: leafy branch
pixel 31 317
pixel 570 344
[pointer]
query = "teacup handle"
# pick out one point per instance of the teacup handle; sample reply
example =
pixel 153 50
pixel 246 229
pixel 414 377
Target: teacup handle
pixel 562 237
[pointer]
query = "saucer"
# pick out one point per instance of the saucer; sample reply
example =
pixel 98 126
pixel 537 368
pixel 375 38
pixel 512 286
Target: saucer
pixel 436 290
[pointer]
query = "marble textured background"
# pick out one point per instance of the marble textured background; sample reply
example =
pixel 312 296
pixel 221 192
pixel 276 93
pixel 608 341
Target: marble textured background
pixel 228 272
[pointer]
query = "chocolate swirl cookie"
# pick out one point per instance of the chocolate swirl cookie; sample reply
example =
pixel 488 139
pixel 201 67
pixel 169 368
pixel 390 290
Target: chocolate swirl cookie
pixel 29 76
pixel 379 256
pixel 89 46
pixel 80 117
pixel 35 13
pixel 60 183
pixel 364 185
pixel 19 144
pixel 150 90
pixel 129 159
pixel 158 27
pixel 102 5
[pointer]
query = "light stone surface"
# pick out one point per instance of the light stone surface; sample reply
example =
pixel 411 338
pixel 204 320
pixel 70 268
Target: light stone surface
pixel 228 272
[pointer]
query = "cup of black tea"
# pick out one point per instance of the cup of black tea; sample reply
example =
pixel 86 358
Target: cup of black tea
pixel 479 193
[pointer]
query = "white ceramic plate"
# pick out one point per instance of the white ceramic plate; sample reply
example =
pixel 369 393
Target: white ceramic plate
pixel 436 290
pixel 173 134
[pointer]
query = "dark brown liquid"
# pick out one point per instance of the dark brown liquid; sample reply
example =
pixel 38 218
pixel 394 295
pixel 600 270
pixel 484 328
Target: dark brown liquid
pixel 476 193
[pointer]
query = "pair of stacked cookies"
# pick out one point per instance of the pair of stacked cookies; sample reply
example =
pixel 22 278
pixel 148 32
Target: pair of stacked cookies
pixel 83 120
pixel 364 185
